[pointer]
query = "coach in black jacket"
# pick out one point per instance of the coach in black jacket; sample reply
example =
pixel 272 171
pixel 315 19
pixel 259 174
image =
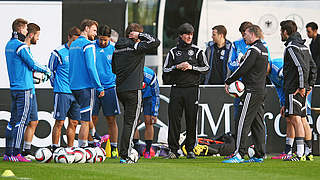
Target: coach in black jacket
pixel 182 69
pixel 127 63
pixel 252 69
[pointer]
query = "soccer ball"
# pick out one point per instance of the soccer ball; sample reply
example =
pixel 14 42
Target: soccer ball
pixel 65 156
pixel 56 153
pixel 236 89
pixel 80 155
pixel 90 154
pixel 43 155
pixel 101 154
pixel 134 156
pixel 251 151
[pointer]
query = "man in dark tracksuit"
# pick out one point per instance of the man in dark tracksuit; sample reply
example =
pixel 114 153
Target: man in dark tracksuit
pixel 182 69
pixel 297 80
pixel 252 69
pixel 127 63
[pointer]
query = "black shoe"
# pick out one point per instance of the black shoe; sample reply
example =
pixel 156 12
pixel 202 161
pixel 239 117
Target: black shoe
pixel 191 155
pixel 172 155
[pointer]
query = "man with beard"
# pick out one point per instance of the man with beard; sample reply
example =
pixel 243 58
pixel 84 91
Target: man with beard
pixel 297 83
pixel 83 75
pixel 31 39
pixel 21 65
pixel 182 69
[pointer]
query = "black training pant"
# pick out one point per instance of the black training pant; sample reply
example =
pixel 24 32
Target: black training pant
pixel 183 99
pixel 131 101
pixel 251 119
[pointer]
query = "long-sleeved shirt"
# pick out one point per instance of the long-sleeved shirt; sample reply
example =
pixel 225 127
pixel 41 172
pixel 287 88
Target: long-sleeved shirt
pixel 151 89
pixel 82 70
pixel 21 64
pixel 59 66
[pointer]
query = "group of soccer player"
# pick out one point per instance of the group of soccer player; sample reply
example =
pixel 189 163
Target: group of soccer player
pixel 83 81
pixel 293 77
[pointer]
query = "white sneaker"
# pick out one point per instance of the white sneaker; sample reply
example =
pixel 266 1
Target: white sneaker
pixel 30 157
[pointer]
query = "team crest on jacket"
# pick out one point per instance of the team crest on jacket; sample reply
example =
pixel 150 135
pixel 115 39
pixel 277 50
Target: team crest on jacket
pixel 190 52
pixel 178 53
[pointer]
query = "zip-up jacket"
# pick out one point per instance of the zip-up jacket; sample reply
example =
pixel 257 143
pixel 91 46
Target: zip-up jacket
pixel 276 77
pixel 20 65
pixel 296 68
pixel 103 64
pixel 184 52
pixel 252 69
pixel 151 89
pixel 128 61
pixel 59 66
pixel 82 70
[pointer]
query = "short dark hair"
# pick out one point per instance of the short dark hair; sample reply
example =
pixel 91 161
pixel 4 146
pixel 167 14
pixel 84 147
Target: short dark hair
pixel 289 26
pixel 33 28
pixel 313 26
pixel 185 28
pixel 104 30
pixel 87 22
pixel 73 31
pixel 256 30
pixel 133 27
pixel 220 30
pixel 18 23
pixel 244 25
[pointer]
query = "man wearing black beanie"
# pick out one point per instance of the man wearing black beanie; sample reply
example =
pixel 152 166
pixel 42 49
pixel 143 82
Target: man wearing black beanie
pixel 182 69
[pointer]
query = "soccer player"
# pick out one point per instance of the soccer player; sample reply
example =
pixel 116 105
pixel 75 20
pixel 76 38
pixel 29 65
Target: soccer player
pixel 109 102
pixel 31 39
pixel 83 75
pixel 127 63
pixel 20 65
pixel 65 104
pixel 253 70
pixel 150 102
pixel 296 75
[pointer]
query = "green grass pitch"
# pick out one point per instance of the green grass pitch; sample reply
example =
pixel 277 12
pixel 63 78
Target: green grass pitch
pixel 202 168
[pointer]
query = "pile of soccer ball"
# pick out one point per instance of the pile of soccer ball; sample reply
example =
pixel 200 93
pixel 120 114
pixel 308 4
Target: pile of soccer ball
pixel 71 155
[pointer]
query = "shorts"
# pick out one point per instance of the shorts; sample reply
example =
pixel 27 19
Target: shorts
pixel 147 106
pixel 85 98
pixel 295 105
pixel 34 109
pixel 65 105
pixel 109 103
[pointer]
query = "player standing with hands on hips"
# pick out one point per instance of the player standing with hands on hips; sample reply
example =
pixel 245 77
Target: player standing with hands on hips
pixel 182 69
pixel 252 69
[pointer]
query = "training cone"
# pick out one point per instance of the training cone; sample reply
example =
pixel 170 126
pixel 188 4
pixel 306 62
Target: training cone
pixel 7 173
pixel 108 149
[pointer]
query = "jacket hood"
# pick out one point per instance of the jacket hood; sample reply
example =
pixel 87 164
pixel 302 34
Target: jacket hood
pixel 124 42
pixel 295 37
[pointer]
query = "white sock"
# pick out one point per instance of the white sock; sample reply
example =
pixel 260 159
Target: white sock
pixel 300 146
pixel 92 131
pixel 307 150
pixel 26 145
pixel 289 141
pixel 82 143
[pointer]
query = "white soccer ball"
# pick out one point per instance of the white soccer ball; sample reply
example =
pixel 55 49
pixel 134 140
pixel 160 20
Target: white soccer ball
pixel 90 154
pixel 56 153
pixel 65 156
pixel 251 151
pixel 43 155
pixel 236 89
pixel 101 154
pixel 134 156
pixel 80 155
